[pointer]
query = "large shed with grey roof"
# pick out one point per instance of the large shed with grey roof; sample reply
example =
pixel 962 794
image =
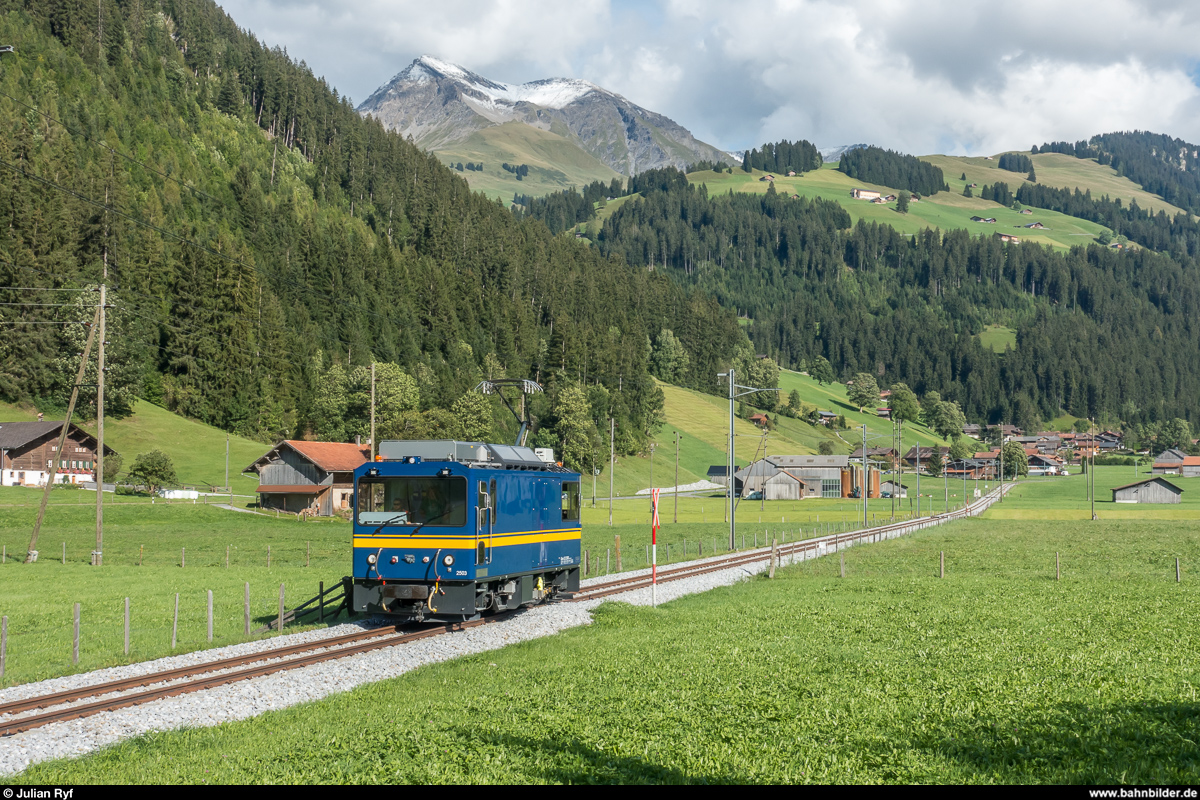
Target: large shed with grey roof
pixel 1151 490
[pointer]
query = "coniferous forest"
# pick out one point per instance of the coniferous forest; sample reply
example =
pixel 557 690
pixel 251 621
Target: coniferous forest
pixel 262 242
pixel 1098 331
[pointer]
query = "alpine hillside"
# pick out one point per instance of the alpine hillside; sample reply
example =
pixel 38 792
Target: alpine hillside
pixel 565 130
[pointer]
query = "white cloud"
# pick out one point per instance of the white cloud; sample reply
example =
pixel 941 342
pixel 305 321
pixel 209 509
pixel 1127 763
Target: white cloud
pixel 935 76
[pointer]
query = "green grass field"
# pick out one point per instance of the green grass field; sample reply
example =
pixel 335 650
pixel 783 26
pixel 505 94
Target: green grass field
pixel 996 674
pixel 555 162
pixel 1066 498
pixel 197 450
pixel 998 337
pixel 945 210
pixel 1053 169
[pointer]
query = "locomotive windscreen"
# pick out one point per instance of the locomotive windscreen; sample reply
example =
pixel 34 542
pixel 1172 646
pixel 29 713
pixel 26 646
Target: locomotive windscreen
pixel 412 501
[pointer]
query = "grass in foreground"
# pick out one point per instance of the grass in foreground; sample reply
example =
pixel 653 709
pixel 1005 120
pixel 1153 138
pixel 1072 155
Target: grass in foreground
pixel 996 674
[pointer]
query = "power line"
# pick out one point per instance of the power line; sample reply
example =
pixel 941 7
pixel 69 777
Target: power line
pixel 164 232
pixel 130 159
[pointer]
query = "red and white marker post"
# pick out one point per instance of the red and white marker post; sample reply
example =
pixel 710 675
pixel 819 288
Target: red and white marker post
pixel 654 548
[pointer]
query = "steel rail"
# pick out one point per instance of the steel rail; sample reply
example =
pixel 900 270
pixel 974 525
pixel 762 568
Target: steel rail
pixel 71 712
pixel 390 636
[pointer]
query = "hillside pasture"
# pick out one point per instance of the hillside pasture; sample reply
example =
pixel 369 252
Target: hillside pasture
pixel 944 210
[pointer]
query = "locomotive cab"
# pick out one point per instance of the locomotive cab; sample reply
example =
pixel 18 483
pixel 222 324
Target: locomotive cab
pixel 447 530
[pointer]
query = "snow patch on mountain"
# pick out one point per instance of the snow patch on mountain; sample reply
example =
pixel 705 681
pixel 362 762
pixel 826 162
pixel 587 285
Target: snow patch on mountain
pixel 548 93
pixel 831 154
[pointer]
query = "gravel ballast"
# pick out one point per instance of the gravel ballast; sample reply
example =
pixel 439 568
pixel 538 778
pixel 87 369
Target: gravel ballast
pixel 281 690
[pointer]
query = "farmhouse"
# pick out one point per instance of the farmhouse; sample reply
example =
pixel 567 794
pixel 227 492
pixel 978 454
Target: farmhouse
pixel 864 194
pixel 884 454
pixel 1151 490
pixel 826 417
pixel 1007 237
pixel 1044 465
pixel 1026 211
pixel 308 477
pixel 27 450
pixel 1039 226
pixel 925 453
pixel 760 419
pixel 1168 462
pixel 791 173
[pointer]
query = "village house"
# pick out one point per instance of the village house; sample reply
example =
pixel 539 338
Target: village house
pixel 910 458
pixel 886 455
pixel 864 194
pixel 761 420
pixel 27 451
pixel 1036 225
pixel 1026 211
pixel 1008 237
pixel 314 478
pixel 826 417
pixel 1040 464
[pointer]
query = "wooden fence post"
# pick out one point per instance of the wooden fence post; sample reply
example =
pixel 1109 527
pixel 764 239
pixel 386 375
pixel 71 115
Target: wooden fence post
pixel 247 609
pixel 321 601
pixel 618 552
pixel 843 557
pixel 281 606
pixel 668 556
pixel 942 557
pixel 175 623
pixel 699 548
pixel 75 649
pixel 210 616
pixel 1178 576
pixel 182 557
pixel 771 574
pixel 587 562
pixel 126 626
pixel 226 556
pixel 141 550
pixel 608 561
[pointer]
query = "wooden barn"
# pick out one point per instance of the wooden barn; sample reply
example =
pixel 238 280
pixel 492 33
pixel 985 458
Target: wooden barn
pixel 308 477
pixel 1151 490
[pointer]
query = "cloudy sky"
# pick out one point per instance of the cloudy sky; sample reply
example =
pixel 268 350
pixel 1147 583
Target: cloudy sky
pixel 948 76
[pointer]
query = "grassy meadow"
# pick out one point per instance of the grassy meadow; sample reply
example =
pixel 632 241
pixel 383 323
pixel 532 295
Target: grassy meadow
pixel 196 449
pixel 945 210
pixel 555 162
pixel 1053 169
pixel 996 674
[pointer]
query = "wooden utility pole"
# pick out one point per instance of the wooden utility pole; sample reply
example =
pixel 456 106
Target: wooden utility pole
pixel 31 555
pixel 612 433
pixel 372 411
pixel 98 556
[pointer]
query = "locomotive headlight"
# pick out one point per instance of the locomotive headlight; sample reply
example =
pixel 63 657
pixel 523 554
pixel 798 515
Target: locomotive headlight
pixel 448 561
pixel 371 559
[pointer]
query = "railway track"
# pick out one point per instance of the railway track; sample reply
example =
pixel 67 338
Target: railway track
pixel 113 695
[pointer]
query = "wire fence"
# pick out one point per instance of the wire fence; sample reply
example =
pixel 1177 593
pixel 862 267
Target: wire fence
pixel 63 637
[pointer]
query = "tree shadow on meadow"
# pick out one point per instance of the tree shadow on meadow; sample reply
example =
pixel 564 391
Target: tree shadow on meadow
pixel 566 759
pixel 1072 743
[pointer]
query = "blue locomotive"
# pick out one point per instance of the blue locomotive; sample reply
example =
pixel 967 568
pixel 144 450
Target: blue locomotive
pixel 448 531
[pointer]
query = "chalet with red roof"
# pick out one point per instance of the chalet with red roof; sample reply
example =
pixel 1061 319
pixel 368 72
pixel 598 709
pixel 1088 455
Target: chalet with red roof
pixel 314 478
